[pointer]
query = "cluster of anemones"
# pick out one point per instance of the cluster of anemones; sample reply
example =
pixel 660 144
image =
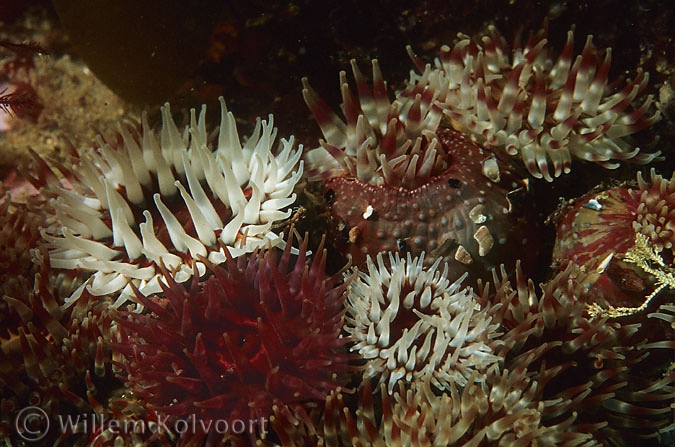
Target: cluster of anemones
pixel 59 360
pixel 592 369
pixel 543 110
pixel 185 225
pixel 504 410
pixel 411 323
pixel 550 338
pixel 169 199
pixel 261 333
pixel 55 358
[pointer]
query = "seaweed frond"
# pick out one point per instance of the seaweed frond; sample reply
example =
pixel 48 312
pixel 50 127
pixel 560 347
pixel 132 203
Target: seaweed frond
pixel 642 254
pixel 20 102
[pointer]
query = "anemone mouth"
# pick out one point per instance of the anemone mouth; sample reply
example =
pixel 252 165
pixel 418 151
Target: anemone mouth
pixel 169 200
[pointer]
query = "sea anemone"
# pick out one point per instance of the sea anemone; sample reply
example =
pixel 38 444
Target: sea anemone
pixel 600 228
pixel 394 180
pixel 257 333
pixel 141 202
pixel 411 323
pixel 605 221
pixel 543 110
pixel 380 142
pixel 655 215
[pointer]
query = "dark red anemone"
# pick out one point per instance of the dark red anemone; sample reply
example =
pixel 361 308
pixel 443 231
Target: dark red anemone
pixel 258 333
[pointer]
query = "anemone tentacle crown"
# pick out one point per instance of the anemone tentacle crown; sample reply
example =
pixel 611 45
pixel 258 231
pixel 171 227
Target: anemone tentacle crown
pixel 411 323
pixel 170 200
pixel 262 331
pixel 544 111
